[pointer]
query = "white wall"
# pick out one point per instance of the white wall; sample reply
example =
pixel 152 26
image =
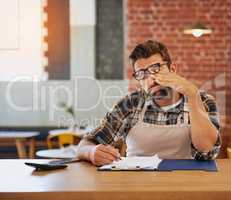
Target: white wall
pixel 82 12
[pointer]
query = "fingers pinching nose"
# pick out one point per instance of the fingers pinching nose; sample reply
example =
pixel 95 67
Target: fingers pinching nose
pixel 153 76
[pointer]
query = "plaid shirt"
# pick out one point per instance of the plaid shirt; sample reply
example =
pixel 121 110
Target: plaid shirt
pixel 126 112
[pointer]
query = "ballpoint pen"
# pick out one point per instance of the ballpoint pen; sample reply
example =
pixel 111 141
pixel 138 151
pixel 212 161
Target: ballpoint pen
pixel 101 141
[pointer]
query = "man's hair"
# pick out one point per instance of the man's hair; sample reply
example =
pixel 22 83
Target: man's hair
pixel 149 48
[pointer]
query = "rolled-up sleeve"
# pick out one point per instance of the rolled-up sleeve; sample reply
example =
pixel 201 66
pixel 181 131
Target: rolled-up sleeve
pixel 113 120
pixel 212 110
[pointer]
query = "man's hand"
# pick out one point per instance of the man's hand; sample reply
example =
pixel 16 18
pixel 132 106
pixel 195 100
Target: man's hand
pixel 176 82
pixel 103 154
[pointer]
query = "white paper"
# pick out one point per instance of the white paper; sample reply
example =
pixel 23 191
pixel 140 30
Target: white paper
pixel 135 162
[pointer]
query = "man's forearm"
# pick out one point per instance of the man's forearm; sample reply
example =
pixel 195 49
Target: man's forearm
pixel 84 149
pixel 97 154
pixel 203 132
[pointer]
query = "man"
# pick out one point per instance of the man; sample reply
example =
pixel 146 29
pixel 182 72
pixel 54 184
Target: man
pixel 168 116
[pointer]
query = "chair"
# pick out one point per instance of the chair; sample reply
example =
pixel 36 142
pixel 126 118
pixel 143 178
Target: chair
pixel 229 152
pixel 64 139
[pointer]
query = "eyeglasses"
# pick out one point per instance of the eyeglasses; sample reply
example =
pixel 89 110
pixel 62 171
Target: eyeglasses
pixel 152 69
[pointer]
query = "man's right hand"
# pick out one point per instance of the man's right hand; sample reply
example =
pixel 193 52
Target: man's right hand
pixel 103 154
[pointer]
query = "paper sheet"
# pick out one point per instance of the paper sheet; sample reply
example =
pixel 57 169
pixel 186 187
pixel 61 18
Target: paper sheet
pixel 136 162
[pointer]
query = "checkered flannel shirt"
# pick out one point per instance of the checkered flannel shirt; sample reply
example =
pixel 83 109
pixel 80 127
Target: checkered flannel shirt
pixel 126 112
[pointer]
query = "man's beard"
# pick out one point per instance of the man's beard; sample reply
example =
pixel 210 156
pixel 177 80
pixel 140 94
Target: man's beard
pixel 158 92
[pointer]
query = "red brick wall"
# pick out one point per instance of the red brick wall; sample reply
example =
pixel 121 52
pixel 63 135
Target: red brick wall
pixel 205 60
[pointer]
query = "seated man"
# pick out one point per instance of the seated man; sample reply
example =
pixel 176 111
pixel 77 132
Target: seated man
pixel 167 116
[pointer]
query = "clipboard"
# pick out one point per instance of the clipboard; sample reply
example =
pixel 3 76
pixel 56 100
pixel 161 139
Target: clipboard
pixel 187 164
pixel 172 165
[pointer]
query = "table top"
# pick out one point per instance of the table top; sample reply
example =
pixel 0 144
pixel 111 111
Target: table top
pixel 78 132
pixel 18 134
pixel 82 181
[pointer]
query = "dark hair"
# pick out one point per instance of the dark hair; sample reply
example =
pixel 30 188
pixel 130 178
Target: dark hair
pixel 149 48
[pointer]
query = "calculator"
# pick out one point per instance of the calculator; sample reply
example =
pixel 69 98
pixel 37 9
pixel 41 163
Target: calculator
pixel 45 166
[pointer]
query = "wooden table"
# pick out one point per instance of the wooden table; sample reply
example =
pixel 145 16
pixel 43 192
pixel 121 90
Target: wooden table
pixel 82 181
pixel 20 138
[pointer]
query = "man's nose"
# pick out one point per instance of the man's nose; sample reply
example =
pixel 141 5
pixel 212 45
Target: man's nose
pixel 150 79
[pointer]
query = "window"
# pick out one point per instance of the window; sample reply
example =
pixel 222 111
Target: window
pixel 20 39
pixel 34 39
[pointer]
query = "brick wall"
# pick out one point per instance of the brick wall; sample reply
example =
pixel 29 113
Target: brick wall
pixel 205 60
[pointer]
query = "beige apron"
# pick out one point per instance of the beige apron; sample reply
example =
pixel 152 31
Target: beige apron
pixel 167 141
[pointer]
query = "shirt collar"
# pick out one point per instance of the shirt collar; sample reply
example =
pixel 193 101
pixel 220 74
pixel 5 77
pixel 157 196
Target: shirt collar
pixel 182 106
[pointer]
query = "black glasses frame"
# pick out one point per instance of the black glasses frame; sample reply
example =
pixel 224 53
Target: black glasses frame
pixel 157 65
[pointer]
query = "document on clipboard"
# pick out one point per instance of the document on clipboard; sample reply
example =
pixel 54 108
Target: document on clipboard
pixel 133 163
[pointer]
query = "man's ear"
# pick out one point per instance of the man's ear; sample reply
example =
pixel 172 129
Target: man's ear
pixel 173 68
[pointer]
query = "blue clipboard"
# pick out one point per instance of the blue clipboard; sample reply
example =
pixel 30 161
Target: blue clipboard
pixel 181 164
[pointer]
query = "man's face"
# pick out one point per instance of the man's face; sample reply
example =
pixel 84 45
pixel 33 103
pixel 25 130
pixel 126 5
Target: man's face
pixel 148 83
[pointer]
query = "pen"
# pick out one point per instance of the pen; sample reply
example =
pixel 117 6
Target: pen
pixel 118 158
pixel 101 141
